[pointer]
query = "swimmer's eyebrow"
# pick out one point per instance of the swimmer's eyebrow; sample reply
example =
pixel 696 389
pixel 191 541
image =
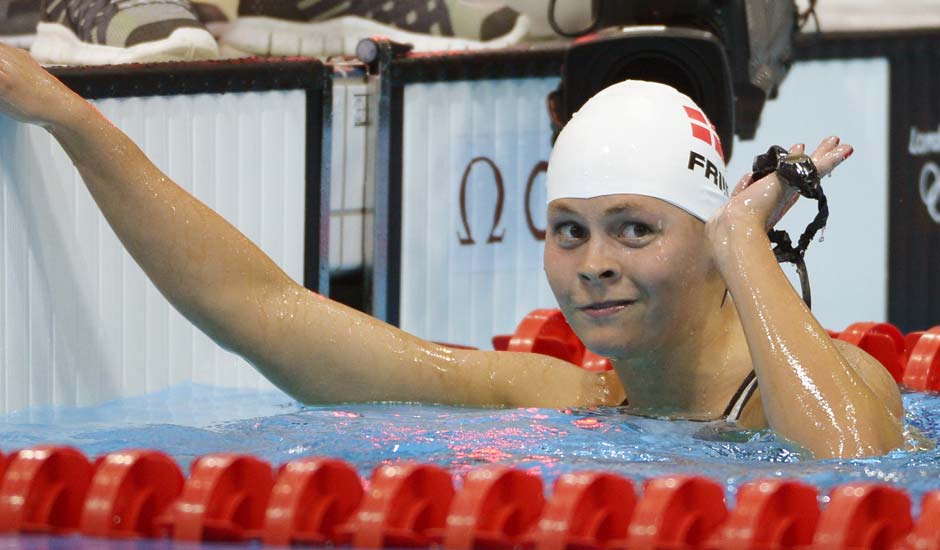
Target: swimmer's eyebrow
pixel 561 209
pixel 620 208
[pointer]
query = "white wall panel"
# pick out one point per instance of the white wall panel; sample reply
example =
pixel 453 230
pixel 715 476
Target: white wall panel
pixel 348 209
pixel 80 321
pixel 466 294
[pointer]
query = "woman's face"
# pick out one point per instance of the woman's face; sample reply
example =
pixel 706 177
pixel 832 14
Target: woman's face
pixel 630 272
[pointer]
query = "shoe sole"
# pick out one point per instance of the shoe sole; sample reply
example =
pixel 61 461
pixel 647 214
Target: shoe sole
pixel 56 44
pixel 339 36
pixel 18 40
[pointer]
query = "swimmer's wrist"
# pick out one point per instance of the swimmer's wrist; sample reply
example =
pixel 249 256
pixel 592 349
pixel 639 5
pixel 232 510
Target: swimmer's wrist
pixel 730 232
pixel 71 113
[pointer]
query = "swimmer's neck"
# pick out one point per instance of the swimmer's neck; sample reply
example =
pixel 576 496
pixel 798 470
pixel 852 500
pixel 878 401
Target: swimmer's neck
pixel 691 377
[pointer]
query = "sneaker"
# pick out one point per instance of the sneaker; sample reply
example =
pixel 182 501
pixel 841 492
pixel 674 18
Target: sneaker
pixel 100 32
pixel 212 16
pixel 325 28
pixel 18 19
pixel 569 15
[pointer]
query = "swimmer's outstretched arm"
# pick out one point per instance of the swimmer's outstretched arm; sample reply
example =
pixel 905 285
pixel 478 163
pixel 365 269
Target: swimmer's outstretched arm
pixel 828 396
pixel 315 349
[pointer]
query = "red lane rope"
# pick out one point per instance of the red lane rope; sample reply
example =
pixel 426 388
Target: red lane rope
pixel 231 497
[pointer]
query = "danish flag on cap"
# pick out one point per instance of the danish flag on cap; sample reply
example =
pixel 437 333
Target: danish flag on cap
pixel 704 130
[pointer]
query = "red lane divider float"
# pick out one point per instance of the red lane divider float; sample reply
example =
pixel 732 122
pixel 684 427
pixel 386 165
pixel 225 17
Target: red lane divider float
pixel 312 498
pixel 128 492
pixel 864 515
pixel 224 499
pixel 43 490
pixel 495 510
pixel 588 510
pixel 406 507
pixel 926 533
pixel 910 340
pixel 676 512
pixel 770 514
pixel 923 364
pixel 883 341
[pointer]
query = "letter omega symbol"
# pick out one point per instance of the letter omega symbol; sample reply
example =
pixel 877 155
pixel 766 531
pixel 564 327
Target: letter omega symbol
pixel 539 168
pixel 500 198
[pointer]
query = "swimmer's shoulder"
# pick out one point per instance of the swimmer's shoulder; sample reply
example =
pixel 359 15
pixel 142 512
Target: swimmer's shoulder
pixel 873 373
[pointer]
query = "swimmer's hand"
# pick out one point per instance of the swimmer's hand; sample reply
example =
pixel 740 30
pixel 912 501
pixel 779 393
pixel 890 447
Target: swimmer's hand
pixel 29 93
pixel 764 202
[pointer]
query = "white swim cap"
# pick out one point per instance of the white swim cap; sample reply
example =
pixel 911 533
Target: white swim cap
pixel 642 138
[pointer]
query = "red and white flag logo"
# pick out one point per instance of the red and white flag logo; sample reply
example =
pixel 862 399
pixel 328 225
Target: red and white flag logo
pixel 704 130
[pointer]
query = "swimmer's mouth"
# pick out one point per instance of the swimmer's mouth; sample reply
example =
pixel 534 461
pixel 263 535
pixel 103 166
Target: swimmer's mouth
pixel 601 309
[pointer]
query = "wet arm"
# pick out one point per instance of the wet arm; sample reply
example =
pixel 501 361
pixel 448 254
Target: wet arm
pixel 813 394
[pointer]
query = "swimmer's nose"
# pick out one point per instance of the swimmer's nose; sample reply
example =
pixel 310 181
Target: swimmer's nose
pixel 599 272
pixel 594 276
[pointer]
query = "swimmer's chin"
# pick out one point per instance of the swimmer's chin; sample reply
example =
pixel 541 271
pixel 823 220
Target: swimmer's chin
pixel 614 351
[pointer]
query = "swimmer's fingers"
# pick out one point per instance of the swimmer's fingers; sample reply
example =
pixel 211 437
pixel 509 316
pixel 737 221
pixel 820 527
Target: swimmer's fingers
pixel 830 154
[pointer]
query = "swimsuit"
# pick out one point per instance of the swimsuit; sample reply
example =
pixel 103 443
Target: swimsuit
pixel 741 397
pixel 738 400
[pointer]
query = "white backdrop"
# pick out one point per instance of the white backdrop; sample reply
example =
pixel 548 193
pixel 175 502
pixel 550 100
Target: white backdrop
pixel 465 293
pixel 81 323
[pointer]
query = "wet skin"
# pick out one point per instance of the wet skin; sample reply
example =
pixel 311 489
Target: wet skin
pixel 651 300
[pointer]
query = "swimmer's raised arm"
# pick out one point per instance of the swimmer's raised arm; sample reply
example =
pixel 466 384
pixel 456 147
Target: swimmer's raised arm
pixel 833 399
pixel 315 349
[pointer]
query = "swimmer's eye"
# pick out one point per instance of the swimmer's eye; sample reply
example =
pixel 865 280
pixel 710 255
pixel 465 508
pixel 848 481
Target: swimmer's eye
pixel 635 231
pixel 569 232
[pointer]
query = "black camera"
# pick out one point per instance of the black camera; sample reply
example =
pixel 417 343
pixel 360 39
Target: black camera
pixel 729 56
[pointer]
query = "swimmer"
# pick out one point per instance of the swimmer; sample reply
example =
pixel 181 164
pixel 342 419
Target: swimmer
pixel 641 248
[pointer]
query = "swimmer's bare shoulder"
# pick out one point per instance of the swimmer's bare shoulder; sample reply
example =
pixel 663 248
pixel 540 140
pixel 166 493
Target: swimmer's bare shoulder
pixel 871 371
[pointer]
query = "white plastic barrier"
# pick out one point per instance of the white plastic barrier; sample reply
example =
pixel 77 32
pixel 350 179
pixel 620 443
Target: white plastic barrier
pixel 349 211
pixel 80 321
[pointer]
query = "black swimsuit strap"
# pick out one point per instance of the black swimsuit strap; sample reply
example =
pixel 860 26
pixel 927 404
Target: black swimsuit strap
pixel 742 396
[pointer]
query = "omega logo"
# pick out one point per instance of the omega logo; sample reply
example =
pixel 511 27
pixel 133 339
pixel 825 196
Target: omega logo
pixel 930 189
pixel 500 197
pixel 467 238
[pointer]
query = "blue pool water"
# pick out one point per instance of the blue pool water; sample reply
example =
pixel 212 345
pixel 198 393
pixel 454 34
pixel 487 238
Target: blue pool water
pixel 192 420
